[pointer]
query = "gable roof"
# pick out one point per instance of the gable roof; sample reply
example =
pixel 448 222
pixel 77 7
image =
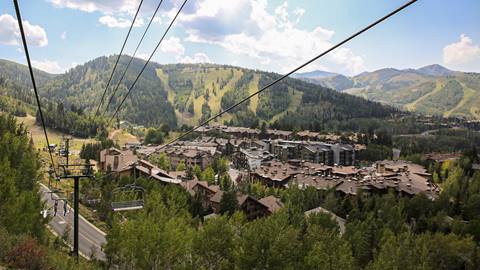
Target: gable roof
pixel 273 203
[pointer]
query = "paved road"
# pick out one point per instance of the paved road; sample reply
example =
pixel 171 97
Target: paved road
pixel 90 237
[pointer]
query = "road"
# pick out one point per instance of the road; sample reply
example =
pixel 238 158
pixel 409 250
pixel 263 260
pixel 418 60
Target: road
pixel 90 237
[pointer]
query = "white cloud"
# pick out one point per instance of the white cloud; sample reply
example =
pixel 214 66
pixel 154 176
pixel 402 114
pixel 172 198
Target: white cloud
pixel 143 56
pixel 10 33
pixel 247 28
pixel 282 11
pixel 48 66
pixel 104 6
pixel 172 45
pixel 156 20
pixel 63 35
pixel 120 7
pixel 461 52
pixel 113 22
pixel 197 58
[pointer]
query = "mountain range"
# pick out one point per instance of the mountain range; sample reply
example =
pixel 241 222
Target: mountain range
pixel 178 94
pixel 433 89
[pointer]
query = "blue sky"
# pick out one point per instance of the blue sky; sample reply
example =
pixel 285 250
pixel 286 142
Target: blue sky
pixel 274 35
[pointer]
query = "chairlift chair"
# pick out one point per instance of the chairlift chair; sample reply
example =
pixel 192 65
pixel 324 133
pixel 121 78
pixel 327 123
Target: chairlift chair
pixel 56 200
pixel 128 205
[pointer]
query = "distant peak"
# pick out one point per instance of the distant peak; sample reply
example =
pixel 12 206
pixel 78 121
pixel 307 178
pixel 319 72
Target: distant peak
pixel 316 74
pixel 435 70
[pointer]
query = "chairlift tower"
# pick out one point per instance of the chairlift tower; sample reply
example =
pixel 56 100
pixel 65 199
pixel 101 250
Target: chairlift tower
pixel 64 150
pixel 75 172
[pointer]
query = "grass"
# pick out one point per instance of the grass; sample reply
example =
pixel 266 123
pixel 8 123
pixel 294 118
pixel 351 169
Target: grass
pixel 414 105
pixel 252 88
pixel 121 136
pixel 467 95
pixel 209 78
pixel 53 136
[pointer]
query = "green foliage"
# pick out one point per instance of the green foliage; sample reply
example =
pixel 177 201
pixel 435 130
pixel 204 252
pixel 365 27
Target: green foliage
pixel 19 203
pixel 73 122
pixel 229 202
pixel 154 136
pixel 91 151
pixel 273 101
pixel 13 106
pixel 328 251
pixel 181 166
pixel 244 118
pixel 146 105
pixel 375 152
pixel 214 245
pixel 206 112
pixel 161 160
pixel 240 91
pixel 443 100
pixel 444 140
pixel 208 175
pixel 320 105
pixel 269 244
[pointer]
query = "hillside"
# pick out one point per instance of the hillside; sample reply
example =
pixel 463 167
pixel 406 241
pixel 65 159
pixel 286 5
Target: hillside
pixel 431 89
pixel 179 94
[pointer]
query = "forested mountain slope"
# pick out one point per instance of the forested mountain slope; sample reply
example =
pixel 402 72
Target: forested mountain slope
pixel 429 90
pixel 188 93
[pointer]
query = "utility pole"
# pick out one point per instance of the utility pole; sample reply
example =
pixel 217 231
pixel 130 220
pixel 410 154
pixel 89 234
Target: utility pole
pixel 76 172
pixel 67 151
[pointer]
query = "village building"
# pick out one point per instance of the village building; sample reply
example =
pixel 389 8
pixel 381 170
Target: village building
pixel 317 153
pixel 279 134
pixel 182 175
pixel 285 150
pixel 114 159
pixel 343 154
pixel 133 145
pixel 251 158
pixel 202 156
pixel 404 177
pixel 273 203
pixel 143 168
pixel 201 190
pixel 320 182
pixel 307 135
pixel 252 207
pixel 274 173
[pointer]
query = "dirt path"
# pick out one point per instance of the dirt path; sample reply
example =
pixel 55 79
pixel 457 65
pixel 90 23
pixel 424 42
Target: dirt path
pixel 112 134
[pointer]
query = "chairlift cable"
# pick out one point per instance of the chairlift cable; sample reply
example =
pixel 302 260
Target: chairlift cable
pixel 27 55
pixel 131 58
pixel 118 58
pixel 146 63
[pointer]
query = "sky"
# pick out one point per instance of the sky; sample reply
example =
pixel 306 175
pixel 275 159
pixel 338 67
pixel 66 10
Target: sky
pixel 272 35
